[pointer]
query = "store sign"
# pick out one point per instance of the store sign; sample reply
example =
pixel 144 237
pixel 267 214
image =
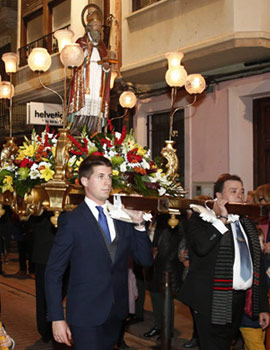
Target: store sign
pixel 40 113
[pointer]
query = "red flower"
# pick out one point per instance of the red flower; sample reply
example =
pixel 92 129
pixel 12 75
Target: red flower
pixel 26 163
pixel 96 154
pixel 133 157
pixel 110 125
pixel 106 142
pixel 122 137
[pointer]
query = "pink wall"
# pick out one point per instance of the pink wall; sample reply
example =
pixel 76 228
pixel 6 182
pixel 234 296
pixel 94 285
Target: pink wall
pixel 218 129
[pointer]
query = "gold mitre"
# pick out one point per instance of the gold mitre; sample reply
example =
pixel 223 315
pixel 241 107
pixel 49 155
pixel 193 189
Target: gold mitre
pixel 94 12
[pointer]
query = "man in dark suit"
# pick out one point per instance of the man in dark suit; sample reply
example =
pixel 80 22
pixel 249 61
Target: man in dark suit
pixel 97 249
pixel 226 262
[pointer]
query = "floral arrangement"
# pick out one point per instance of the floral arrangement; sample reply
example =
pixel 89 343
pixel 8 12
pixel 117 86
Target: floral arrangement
pixel 31 165
pixel 133 168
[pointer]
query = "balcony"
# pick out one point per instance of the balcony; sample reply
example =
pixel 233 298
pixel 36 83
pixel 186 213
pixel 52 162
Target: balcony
pixel 212 34
pixel 47 41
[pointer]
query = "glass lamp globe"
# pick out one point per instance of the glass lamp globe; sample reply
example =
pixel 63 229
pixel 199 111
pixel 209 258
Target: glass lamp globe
pixel 127 99
pixel 10 59
pixel 64 37
pixel 72 55
pixel 6 90
pixel 176 77
pixel 39 60
pixel 195 84
pixel 174 59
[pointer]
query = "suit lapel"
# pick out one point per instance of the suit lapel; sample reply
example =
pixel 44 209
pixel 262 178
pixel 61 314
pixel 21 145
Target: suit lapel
pixel 89 224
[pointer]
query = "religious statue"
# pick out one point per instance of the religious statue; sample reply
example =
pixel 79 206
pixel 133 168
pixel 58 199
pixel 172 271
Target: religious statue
pixel 89 97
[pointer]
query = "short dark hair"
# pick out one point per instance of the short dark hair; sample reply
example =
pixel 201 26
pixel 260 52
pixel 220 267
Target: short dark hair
pixel 219 184
pixel 86 168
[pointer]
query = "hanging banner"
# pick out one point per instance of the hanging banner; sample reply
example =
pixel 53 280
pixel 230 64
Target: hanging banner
pixel 40 113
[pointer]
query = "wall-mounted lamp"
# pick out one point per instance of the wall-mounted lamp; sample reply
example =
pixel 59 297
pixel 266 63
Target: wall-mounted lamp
pixel 11 60
pixel 39 60
pixel 6 90
pixel 176 77
pixel 6 87
pixel 127 101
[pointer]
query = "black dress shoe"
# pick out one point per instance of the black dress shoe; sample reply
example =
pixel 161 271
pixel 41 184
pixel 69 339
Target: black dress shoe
pixel 192 343
pixel 152 333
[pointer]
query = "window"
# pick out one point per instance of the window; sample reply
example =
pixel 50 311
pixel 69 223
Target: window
pixel 61 15
pixel 34 29
pixel 40 18
pixel 158 132
pixel 139 4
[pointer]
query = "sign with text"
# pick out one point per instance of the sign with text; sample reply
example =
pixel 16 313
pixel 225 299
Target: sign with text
pixel 40 113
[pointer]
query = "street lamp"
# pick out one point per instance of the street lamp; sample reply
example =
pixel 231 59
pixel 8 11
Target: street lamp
pixel 6 87
pixel 176 77
pixel 127 101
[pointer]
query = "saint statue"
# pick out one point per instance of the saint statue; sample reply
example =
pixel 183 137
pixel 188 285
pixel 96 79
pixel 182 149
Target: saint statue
pixel 89 97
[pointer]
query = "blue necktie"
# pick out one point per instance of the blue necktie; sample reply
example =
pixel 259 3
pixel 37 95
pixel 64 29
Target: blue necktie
pixel 245 268
pixel 102 220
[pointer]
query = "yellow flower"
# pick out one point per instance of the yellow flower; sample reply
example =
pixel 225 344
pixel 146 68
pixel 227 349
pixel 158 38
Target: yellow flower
pixel 141 151
pixel 46 173
pixel 78 163
pixel 21 155
pixel 29 150
pixel 7 184
pixel 115 172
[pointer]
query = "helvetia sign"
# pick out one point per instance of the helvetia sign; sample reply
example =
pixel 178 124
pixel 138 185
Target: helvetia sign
pixel 40 113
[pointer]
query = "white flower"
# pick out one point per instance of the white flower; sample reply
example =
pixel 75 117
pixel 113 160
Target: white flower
pixel 45 164
pixel 72 160
pixel 161 191
pixel 117 135
pixel 10 167
pixel 34 167
pixel 145 164
pixel 123 167
pixel 34 174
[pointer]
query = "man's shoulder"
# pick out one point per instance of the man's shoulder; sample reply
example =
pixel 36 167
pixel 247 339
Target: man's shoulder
pixel 76 212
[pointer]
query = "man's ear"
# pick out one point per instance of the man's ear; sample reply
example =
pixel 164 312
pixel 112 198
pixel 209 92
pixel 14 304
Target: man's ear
pixel 218 195
pixel 84 181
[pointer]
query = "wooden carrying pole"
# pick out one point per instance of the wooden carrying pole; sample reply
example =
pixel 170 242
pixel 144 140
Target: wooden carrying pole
pixel 164 204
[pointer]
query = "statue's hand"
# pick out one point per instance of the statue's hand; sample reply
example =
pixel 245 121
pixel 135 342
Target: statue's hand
pixel 106 65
